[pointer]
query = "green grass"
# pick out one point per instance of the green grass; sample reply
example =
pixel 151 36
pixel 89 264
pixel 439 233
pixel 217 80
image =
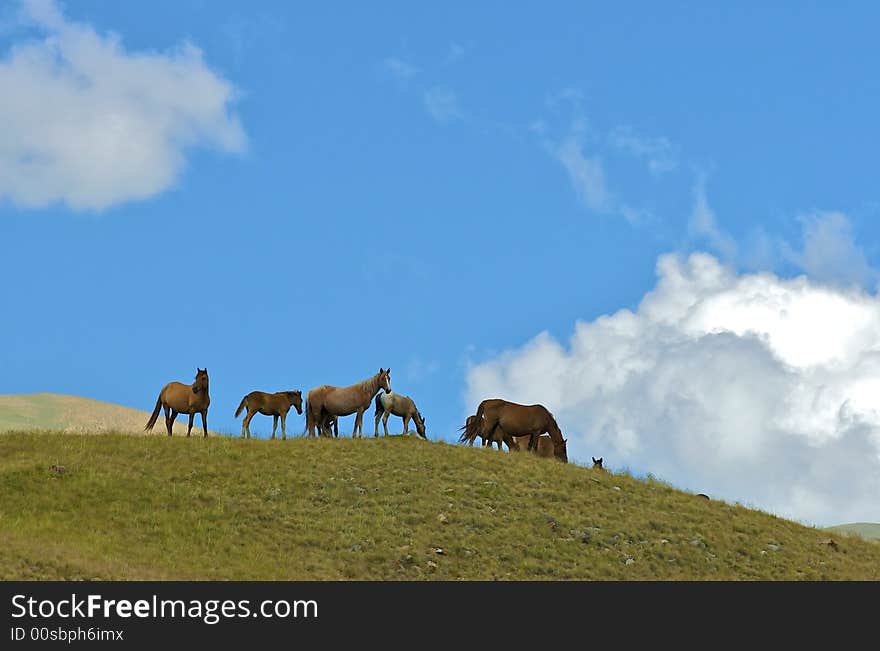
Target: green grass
pixel 153 507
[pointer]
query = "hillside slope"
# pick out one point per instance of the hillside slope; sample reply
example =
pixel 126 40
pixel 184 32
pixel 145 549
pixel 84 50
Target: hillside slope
pixel 150 507
pixel 868 530
pixel 73 414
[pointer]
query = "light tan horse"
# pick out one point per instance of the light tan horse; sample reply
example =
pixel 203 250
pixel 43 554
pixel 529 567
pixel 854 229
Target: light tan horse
pixel 388 404
pixel 180 398
pixel 518 420
pixel 269 404
pixel 330 401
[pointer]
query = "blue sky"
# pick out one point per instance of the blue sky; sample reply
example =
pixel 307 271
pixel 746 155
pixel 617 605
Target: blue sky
pixel 408 186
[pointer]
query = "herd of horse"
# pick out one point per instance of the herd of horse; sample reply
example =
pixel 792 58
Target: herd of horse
pixel 518 426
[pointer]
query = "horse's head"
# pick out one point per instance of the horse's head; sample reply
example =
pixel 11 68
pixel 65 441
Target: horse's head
pixel 420 425
pixel 597 463
pixel 385 379
pixel 201 383
pixel 296 399
pixel 560 451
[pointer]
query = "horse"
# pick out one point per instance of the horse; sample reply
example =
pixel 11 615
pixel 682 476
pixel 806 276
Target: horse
pixel 269 404
pixel 497 437
pixel 518 420
pixel 180 398
pixel 544 447
pixel 472 429
pixel 330 401
pixel 388 404
pixel 597 463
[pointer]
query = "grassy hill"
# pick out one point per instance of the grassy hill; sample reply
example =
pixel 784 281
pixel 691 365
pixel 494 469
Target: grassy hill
pixel 151 507
pixel 868 530
pixel 73 414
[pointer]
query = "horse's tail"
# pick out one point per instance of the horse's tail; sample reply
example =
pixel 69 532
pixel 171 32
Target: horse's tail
pixel 155 415
pixel 309 416
pixel 240 406
pixel 379 408
pixel 472 425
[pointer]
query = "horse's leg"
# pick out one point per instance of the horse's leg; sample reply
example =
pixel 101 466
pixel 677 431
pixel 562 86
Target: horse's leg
pixel 283 426
pixel 192 415
pixel 171 421
pixel 205 423
pixel 385 421
pixel 405 424
pixel 533 442
pixel 168 420
pixel 376 429
pixel 274 425
pixel 246 424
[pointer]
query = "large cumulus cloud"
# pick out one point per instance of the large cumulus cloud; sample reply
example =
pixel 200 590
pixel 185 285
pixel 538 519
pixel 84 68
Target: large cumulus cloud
pixel 749 387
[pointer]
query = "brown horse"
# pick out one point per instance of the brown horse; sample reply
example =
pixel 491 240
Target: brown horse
pixel 328 401
pixel 498 435
pixel 518 420
pixel 269 404
pixel 544 447
pixel 180 398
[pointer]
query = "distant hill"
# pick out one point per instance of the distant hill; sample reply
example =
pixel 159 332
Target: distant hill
pixel 123 507
pixel 76 415
pixel 869 530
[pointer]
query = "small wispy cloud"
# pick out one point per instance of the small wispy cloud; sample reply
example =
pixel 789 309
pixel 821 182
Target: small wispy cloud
pixel 586 174
pixel 830 252
pixel 455 53
pixel 400 69
pixel 703 224
pixel 660 154
pixel 442 104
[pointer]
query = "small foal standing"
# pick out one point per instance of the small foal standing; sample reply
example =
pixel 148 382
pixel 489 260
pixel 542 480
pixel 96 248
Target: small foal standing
pixel 269 404
pixel 180 398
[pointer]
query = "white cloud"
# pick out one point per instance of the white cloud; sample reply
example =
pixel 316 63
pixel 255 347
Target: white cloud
pixel 748 387
pixel 703 224
pixel 442 104
pixel 456 52
pixel 830 251
pixel 90 124
pixel 586 174
pixel 660 154
pixel 400 69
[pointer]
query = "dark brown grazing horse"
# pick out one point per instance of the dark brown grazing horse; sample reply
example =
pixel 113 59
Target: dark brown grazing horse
pixel 518 420
pixel 472 429
pixel 330 401
pixel 497 437
pixel 269 404
pixel 180 398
